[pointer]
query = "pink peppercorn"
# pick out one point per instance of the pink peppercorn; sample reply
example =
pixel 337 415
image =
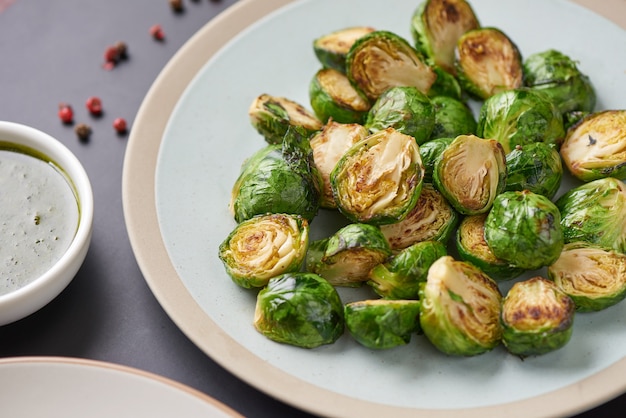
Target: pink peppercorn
pixel 119 124
pixel 66 113
pixel 94 105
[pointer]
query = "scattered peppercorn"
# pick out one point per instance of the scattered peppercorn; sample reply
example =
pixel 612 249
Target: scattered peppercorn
pixel 66 113
pixel 122 50
pixel 111 54
pixel 176 5
pixel 94 105
pixel 157 32
pixel 119 124
pixel 83 131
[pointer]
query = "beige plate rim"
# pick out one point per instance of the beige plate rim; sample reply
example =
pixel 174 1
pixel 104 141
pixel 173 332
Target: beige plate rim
pixel 138 194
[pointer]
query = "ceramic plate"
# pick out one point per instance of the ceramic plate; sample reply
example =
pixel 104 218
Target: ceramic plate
pixel 186 149
pixel 77 388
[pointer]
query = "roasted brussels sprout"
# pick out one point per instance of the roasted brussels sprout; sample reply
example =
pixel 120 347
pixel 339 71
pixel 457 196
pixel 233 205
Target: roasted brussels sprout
pixel 557 75
pixel 596 146
pixel 300 309
pixel 278 179
pixel 445 85
pixel 594 277
pixel 332 96
pixel 406 109
pixel 430 152
pixel 595 212
pixel 263 247
pixel 432 219
pixel 520 117
pixel 382 59
pixel 272 116
pixel 401 275
pixel 382 324
pixel 470 173
pixel 329 145
pixel 452 118
pixel 472 247
pixel 460 308
pixel 523 228
pixel 536 167
pixel 537 317
pixel 488 62
pixel 379 179
pixel 436 27
pixel 331 49
pixel 346 257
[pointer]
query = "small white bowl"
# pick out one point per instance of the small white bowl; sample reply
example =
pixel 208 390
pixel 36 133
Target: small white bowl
pixel 31 297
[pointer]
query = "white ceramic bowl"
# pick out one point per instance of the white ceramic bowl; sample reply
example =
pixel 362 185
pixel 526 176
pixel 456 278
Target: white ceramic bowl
pixel 33 296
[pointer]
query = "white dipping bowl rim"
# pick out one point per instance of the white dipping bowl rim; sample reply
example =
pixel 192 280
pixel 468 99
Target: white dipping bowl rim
pixel 35 295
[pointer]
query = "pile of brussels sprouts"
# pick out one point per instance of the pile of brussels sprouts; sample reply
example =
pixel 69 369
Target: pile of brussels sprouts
pixel 440 206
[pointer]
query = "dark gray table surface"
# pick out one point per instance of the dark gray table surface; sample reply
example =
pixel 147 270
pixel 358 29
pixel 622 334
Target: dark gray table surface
pixel 51 52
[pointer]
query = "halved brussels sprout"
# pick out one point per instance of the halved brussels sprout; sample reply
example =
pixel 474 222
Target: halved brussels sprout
pixel 460 308
pixel 596 146
pixel 445 85
pixel 557 75
pixel 437 25
pixel 472 247
pixel 300 309
pixel 379 179
pixel 430 152
pixel 406 109
pixel 432 219
pixel 536 167
pixel 400 276
pixel 382 324
pixel 488 62
pixel 278 179
pixel 329 145
pixel 452 118
pixel 331 49
pixel 382 59
pixel 572 118
pixel 264 247
pixel 470 173
pixel 332 96
pixel 520 117
pixel 595 278
pixel 537 318
pixel 524 229
pixel 595 212
pixel 272 116
pixel 346 257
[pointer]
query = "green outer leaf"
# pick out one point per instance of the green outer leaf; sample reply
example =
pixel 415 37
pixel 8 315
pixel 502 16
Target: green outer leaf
pixel 445 85
pixel 326 106
pixel 536 167
pixel 300 309
pixel 452 118
pixel 430 152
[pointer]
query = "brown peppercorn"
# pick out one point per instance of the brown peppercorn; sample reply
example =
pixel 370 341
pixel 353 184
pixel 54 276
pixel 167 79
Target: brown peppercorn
pixel 83 131
pixel 176 5
pixel 122 50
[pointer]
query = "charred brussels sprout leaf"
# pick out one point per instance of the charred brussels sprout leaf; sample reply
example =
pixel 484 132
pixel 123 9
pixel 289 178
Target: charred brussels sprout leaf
pixel 520 117
pixel 272 117
pixel 382 324
pixel 264 247
pixel 558 76
pixel 523 228
pixel 401 275
pixel 332 96
pixel 595 147
pixel 472 247
pixel 332 48
pixel 536 167
pixel 432 219
pixel 595 212
pixel 595 278
pixel 405 109
pixel 488 62
pixel 460 308
pixel 278 179
pixel 452 118
pixel 329 145
pixel 430 152
pixel 436 27
pixel 537 317
pixel 381 59
pixel 379 179
pixel 300 309
pixel 346 257
pixel 470 173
